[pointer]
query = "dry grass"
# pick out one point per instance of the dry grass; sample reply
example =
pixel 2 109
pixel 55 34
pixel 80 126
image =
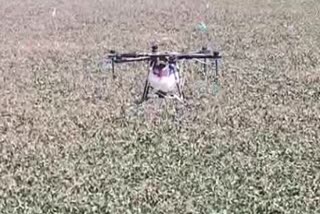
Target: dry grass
pixel 73 141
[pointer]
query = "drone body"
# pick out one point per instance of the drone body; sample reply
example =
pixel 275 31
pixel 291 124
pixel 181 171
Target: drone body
pixel 163 78
pixel 164 75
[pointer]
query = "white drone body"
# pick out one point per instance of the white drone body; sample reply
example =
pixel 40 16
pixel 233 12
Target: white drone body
pixel 165 79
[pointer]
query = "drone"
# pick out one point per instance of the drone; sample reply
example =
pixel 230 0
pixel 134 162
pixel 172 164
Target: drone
pixel 164 73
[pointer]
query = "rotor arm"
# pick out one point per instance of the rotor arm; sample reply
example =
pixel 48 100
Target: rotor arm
pixel 146 56
pixel 124 60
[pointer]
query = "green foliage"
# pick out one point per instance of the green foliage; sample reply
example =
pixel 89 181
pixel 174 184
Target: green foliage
pixel 73 141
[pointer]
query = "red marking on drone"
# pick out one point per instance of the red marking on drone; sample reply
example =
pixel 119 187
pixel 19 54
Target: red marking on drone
pixel 160 72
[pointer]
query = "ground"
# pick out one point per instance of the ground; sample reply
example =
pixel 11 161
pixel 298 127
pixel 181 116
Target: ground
pixel 73 140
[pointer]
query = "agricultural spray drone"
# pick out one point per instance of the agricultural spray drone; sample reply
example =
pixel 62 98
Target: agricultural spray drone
pixel 164 73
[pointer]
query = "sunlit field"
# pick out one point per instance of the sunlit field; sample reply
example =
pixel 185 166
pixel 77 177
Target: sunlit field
pixel 74 140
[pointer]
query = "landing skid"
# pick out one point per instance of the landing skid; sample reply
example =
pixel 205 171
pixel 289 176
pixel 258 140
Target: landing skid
pixel 161 94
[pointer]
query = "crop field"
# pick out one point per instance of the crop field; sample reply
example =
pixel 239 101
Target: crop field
pixel 73 140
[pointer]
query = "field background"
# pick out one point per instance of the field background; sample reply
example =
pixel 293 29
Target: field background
pixel 72 140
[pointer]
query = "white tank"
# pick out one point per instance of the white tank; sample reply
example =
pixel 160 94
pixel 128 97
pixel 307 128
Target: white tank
pixel 163 79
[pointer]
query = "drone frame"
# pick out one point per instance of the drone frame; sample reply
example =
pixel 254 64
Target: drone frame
pixel 171 58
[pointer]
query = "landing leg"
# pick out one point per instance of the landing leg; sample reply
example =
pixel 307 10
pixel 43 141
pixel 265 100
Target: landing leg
pixel 145 91
pixel 146 88
pixel 161 94
pixel 179 91
pixel 216 67
pixel 178 83
pixel 113 74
